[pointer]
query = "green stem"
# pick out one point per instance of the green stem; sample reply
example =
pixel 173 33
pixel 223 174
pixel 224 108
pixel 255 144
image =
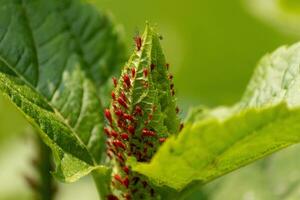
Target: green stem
pixel 102 180
pixel 43 185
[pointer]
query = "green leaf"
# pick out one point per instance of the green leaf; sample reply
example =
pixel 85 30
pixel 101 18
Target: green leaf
pixel 274 178
pixel 217 142
pixel 49 51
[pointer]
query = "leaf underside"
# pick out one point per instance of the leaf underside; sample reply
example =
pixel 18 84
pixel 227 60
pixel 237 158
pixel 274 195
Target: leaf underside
pixel 51 54
pixel 216 142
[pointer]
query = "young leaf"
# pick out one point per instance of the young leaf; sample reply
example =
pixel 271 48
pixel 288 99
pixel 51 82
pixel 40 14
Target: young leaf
pixel 216 142
pixel 48 49
pixel 142 115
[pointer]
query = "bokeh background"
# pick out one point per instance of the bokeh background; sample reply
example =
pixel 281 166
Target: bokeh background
pixel 213 47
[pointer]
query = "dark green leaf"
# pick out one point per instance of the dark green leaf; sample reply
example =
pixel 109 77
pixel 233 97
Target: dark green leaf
pixel 51 54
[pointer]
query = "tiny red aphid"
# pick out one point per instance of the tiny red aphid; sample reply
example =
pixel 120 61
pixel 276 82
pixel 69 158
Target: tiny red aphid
pixel 119 112
pixel 113 95
pixel 118 143
pixel 126 80
pixel 138 42
pixel 138 111
pixel 118 178
pixel 145 71
pixel 128 117
pixel 162 140
pixel 177 110
pixel 126 169
pixel 114 133
pixel 124 136
pixel 126 182
pixel 120 157
pixel 181 126
pixel 115 82
pixel 133 72
pixel 167 65
pixel 152 66
pixel 173 92
pixel 123 96
pixel 122 102
pixel 107 132
pixel 131 129
pixel 148 133
pixel 111 197
pixel 108 115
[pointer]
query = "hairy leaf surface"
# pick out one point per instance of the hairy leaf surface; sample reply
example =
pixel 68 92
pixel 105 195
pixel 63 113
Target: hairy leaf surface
pixel 216 142
pixel 54 55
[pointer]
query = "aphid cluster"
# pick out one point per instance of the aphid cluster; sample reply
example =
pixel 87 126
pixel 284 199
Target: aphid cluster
pixel 129 132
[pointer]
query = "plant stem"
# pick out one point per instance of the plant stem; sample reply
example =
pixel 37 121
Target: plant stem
pixel 43 185
pixel 102 180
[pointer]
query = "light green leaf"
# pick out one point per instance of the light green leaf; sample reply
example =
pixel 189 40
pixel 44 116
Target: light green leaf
pixel 216 142
pixel 274 178
pixel 49 51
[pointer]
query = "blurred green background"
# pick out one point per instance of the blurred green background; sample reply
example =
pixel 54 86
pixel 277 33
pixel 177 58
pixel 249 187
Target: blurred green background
pixel 212 46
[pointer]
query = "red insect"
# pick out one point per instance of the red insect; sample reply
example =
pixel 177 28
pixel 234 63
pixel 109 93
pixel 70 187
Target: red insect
pixel 126 169
pixel 119 112
pixel 122 102
pixel 131 129
pixel 145 71
pixel 133 72
pixel 124 136
pixel 173 92
pixel 115 82
pixel 111 197
pixel 128 117
pixel 177 110
pixel 145 184
pixel 118 178
pixel 181 126
pixel 162 140
pixel 108 115
pixel 107 132
pixel 126 80
pixel 152 66
pixel 167 65
pixel 113 95
pixel 148 133
pixel 114 133
pixel 138 111
pixel 121 124
pixel 123 95
pixel 138 42
pixel 126 182
pixel 118 143
pixel 120 157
